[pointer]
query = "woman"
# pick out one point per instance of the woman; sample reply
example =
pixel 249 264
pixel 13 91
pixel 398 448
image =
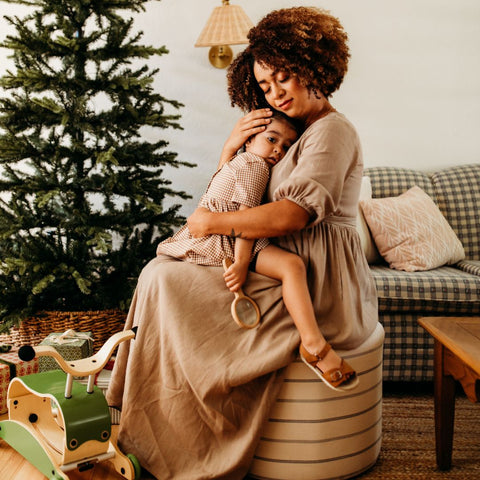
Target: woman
pixel 195 389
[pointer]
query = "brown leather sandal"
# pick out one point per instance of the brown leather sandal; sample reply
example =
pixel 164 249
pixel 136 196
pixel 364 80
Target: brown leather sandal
pixel 341 379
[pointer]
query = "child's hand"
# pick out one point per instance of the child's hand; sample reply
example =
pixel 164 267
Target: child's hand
pixel 235 276
pixel 197 222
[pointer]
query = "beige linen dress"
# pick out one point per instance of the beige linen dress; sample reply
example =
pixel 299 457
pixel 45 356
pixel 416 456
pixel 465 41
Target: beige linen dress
pixel 194 388
pixel 242 181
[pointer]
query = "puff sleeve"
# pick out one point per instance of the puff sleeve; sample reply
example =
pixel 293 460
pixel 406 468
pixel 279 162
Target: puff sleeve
pixel 313 173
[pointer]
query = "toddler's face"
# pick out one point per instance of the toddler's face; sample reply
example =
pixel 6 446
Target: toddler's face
pixel 272 144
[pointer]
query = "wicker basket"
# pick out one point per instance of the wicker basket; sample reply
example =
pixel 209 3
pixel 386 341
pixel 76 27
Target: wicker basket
pixel 33 330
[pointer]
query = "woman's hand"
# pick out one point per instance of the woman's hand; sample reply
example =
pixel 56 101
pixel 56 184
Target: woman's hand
pixel 235 276
pixel 197 222
pixel 251 124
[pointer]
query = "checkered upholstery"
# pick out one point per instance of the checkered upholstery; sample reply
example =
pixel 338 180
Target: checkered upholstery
pixel 407 350
pixel 404 297
pixel 442 290
pixel 393 181
pixel 457 191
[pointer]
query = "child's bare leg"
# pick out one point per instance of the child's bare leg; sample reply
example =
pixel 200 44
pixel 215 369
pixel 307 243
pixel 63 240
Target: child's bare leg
pixel 289 268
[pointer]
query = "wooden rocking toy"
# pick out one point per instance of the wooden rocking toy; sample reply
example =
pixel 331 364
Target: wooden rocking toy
pixel 57 424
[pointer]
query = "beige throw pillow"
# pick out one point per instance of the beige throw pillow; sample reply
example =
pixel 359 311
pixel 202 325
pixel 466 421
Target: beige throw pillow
pixel 410 231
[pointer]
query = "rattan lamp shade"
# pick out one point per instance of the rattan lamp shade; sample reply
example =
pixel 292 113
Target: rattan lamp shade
pixel 227 25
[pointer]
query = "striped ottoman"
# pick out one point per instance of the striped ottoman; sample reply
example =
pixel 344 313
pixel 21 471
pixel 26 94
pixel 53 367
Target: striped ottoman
pixel 315 433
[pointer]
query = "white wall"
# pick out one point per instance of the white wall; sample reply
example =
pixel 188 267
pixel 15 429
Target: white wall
pixel 412 90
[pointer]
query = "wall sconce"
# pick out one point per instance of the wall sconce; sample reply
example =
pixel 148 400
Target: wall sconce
pixel 227 25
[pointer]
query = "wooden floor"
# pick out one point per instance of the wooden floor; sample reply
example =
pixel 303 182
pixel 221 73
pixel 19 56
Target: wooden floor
pixel 14 467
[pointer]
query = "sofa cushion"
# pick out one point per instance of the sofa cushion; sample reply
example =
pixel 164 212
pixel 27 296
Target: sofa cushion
pixel 393 181
pixel 457 190
pixel 410 231
pixel 443 290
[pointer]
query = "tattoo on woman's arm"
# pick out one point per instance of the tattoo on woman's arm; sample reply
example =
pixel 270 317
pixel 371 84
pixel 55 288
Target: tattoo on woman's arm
pixel 235 235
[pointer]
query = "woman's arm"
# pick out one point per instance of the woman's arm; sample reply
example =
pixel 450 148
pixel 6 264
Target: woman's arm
pixel 251 124
pixel 273 219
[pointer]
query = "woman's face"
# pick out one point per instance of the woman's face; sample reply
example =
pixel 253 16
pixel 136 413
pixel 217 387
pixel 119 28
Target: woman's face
pixel 283 92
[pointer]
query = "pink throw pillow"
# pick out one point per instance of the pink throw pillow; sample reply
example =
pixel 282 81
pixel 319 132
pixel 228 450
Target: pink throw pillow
pixel 411 233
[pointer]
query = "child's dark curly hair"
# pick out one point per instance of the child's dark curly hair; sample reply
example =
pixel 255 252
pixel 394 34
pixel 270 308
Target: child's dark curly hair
pixel 304 41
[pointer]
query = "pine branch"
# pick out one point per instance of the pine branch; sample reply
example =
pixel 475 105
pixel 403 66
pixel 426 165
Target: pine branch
pixel 82 199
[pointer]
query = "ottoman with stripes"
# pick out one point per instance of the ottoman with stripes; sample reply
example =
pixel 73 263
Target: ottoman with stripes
pixel 316 433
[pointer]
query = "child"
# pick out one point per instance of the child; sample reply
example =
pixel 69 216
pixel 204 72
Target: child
pixel 238 184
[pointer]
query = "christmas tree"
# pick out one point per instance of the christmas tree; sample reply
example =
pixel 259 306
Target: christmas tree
pixel 81 189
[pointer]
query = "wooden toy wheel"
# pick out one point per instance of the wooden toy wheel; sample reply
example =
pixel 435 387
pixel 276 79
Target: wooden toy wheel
pixel 136 465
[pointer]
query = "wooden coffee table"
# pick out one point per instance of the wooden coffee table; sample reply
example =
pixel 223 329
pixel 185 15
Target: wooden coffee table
pixel 457 357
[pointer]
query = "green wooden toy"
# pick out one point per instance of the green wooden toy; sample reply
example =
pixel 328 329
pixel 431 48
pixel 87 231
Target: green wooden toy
pixel 58 424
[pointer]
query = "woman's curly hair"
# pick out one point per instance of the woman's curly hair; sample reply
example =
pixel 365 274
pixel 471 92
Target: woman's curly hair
pixel 304 41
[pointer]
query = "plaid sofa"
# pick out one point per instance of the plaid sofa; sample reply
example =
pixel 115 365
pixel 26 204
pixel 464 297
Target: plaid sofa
pixel 403 297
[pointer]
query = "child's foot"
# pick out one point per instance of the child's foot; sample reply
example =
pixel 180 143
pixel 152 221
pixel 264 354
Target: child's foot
pixel 329 360
pixel 330 367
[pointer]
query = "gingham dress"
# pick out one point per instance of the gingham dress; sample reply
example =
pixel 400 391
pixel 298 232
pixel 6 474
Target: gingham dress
pixel 242 181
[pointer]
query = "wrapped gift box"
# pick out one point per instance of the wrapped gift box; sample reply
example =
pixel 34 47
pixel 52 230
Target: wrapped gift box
pixel 102 378
pixel 71 346
pixel 11 366
pixel 17 367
